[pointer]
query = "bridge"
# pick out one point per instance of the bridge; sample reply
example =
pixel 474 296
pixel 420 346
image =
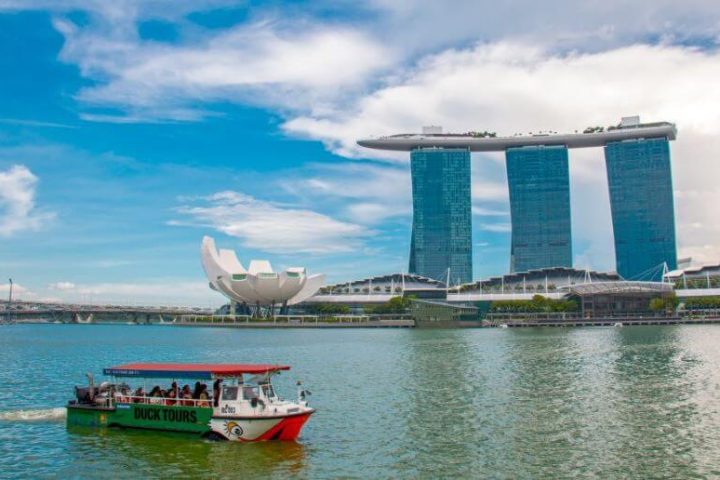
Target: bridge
pixel 29 311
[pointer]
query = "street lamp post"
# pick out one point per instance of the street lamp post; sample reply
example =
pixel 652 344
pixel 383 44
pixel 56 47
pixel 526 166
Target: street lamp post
pixel 9 305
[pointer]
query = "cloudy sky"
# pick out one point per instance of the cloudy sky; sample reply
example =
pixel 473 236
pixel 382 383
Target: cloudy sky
pixel 130 129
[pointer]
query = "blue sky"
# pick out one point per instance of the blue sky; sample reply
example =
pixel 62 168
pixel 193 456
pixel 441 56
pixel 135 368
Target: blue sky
pixel 128 130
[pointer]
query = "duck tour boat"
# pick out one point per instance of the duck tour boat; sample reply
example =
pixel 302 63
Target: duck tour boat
pixel 235 408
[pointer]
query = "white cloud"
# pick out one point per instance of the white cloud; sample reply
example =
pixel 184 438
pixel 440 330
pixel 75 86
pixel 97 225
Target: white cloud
pixel 565 23
pixel 502 227
pixel 488 191
pixel 17 290
pixel 157 292
pixel 560 65
pixel 288 65
pixel 151 293
pixel 20 292
pixel 272 227
pixel 511 88
pixel 170 291
pixel 488 212
pixel 63 286
pixel 17 202
pixel 367 194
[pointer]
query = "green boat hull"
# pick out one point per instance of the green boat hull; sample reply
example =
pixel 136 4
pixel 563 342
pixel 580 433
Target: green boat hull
pixel 154 417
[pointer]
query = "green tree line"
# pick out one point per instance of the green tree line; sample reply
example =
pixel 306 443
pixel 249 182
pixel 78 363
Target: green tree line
pixel 702 302
pixel 538 304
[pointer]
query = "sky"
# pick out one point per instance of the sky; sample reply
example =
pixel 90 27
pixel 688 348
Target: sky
pixel 131 129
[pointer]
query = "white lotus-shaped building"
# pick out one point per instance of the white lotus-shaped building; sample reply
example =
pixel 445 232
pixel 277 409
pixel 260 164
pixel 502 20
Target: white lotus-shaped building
pixel 259 284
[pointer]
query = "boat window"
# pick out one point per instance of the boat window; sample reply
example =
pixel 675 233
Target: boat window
pixel 249 393
pixel 268 390
pixel 229 393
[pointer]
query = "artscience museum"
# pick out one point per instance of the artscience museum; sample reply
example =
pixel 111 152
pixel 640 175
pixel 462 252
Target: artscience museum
pixel 258 285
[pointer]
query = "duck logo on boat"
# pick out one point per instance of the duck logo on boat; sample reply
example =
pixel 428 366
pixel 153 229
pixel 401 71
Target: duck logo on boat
pixel 233 428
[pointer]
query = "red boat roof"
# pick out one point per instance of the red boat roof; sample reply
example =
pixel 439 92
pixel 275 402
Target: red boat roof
pixel 191 370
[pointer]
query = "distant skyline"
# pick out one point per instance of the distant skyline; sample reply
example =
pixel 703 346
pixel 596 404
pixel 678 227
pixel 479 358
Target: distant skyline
pixel 128 130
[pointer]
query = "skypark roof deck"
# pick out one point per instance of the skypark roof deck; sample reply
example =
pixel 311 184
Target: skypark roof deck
pixel 477 143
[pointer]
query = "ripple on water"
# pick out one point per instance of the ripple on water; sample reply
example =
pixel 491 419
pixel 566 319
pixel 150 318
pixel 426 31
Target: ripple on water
pixel 536 403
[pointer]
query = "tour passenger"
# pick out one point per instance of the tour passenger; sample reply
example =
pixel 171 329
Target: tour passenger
pixel 155 395
pixel 138 395
pixel 171 396
pixel 196 392
pixel 119 396
pixel 203 396
pixel 216 391
pixel 186 395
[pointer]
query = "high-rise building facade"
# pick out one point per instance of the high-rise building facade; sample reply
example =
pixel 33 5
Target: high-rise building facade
pixel 539 183
pixel 640 181
pixel 442 223
pixel 641 201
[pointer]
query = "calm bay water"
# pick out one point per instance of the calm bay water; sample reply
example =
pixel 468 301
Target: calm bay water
pixel 633 402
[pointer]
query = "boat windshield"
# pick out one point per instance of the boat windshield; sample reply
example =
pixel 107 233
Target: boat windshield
pixel 250 392
pixel 230 392
pixel 268 390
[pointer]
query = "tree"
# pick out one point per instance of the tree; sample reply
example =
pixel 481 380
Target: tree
pixel 538 304
pixel 328 309
pixel 657 305
pixel 666 304
pixel 394 305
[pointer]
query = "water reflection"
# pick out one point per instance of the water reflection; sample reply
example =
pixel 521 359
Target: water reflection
pixel 161 454
pixel 652 392
pixel 549 393
pixel 635 402
pixel 440 433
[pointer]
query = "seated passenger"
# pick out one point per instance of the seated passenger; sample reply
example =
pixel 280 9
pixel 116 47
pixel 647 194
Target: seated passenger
pixel 138 395
pixel 196 392
pixel 127 393
pixel 203 397
pixel 118 396
pixel 186 395
pixel 171 396
pixel 155 395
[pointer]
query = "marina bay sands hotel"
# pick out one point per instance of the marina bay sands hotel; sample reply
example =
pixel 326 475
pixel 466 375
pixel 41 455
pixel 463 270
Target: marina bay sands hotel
pixel 637 158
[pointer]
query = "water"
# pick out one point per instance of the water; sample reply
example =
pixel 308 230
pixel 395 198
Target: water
pixel 633 402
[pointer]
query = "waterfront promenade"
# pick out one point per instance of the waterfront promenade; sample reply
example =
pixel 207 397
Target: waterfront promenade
pixel 30 313
pixel 296 321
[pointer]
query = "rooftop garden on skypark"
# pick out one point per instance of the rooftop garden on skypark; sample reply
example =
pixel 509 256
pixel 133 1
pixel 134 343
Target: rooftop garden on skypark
pixel 488 134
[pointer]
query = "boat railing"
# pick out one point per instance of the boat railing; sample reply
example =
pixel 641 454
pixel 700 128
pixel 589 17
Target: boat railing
pixel 162 401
